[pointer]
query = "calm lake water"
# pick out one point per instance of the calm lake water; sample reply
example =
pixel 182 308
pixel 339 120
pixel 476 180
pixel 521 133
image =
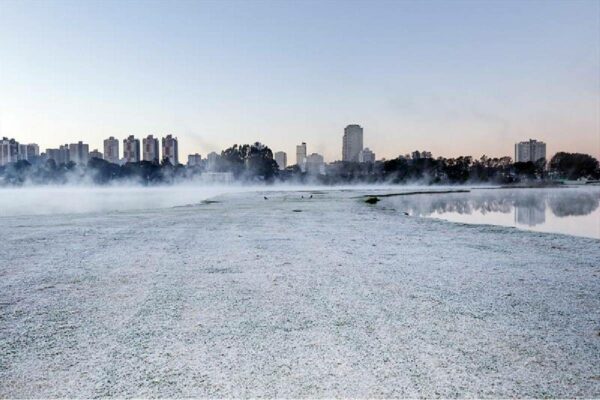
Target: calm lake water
pixel 572 211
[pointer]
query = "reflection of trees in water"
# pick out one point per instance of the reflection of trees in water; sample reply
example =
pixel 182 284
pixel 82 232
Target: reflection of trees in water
pixel 529 205
pixel 463 203
pixel 569 204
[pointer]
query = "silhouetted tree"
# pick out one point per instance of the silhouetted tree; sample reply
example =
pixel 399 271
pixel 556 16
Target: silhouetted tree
pixel 102 171
pixel 525 169
pixel 249 161
pixel 574 165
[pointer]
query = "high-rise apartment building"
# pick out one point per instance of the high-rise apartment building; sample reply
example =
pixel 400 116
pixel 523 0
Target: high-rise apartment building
pixel 531 150
pixel 64 155
pixel 33 151
pixel 9 151
pixel 352 143
pixel 150 149
pixel 29 152
pixel 111 150
pixel 170 149
pixel 281 159
pixel 131 149
pixel 22 152
pixel 301 156
pixel 79 153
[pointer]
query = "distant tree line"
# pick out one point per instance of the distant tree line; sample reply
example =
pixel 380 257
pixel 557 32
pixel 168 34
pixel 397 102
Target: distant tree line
pixel 97 171
pixel 461 170
pixel 254 162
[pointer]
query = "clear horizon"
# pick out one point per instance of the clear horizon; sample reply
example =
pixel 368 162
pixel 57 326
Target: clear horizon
pixel 460 78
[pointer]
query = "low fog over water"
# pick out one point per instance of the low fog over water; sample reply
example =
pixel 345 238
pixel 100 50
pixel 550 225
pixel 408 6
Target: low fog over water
pixel 40 200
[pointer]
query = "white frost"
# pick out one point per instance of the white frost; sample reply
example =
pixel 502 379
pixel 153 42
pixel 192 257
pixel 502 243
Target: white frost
pixel 249 298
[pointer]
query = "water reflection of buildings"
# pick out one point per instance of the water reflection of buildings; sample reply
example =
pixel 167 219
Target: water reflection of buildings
pixel 528 207
pixel 530 216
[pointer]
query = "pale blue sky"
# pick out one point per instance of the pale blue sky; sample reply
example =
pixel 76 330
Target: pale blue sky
pixel 453 77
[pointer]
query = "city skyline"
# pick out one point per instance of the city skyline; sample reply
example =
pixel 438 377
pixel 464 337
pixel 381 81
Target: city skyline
pixel 330 155
pixel 353 150
pixel 466 79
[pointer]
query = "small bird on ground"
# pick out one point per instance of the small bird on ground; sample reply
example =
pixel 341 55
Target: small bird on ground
pixel 265 197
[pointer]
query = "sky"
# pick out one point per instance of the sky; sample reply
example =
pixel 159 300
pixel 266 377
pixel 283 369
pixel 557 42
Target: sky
pixel 451 77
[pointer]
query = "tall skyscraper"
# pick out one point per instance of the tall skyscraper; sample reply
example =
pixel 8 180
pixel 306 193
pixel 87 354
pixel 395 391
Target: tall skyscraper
pixel 111 150
pixel 9 151
pixel 531 150
pixel 281 159
pixel 170 149
pixel 22 152
pixel 301 156
pixel 352 143
pixel 64 156
pixel 131 149
pixel 151 151
pixel 79 153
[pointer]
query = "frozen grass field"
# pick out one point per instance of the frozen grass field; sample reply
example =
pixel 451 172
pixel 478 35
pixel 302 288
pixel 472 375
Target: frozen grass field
pixel 292 297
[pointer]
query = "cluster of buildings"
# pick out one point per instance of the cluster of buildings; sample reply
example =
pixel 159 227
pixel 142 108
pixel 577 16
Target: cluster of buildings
pixel 79 153
pixel 314 163
pixel 151 150
pixel 12 151
pixel 353 150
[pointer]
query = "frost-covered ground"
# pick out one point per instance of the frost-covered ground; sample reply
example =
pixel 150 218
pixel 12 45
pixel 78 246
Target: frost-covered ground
pixel 292 297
